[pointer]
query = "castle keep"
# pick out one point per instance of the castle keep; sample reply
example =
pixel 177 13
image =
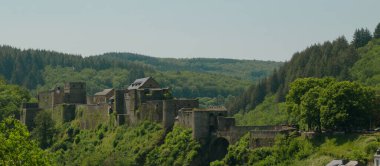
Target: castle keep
pixel 144 100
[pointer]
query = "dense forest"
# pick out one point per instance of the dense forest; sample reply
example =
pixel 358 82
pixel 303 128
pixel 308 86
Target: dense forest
pixel 329 59
pixel 197 77
pixel 243 69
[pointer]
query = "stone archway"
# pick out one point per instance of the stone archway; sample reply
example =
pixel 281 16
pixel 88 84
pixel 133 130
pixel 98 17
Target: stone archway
pixel 218 149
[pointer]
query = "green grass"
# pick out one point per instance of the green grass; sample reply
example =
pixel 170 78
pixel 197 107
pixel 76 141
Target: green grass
pixel 268 112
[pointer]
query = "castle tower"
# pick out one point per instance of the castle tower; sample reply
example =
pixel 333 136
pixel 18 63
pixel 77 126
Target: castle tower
pixel 75 92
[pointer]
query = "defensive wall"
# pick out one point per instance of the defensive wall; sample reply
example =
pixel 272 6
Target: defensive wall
pixel 213 123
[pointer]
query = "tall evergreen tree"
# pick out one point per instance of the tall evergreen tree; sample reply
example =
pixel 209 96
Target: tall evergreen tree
pixel 361 37
pixel 376 34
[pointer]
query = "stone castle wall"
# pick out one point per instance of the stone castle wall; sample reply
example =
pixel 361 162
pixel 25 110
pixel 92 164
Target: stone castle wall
pixel 28 112
pixel 75 93
pixel 90 116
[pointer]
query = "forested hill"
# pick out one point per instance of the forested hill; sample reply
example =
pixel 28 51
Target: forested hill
pixel 243 69
pixel 199 77
pixel 329 59
pixel 25 67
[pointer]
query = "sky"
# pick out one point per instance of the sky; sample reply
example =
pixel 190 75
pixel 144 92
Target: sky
pixel 238 29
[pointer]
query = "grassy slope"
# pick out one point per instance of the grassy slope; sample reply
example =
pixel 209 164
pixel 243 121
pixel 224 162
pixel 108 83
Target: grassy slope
pixel 267 113
pixel 352 147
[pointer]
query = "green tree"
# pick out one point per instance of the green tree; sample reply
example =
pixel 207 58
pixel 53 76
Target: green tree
pixel 178 149
pixel 310 109
pixel 346 105
pixel 16 148
pixel 135 74
pixel 44 129
pixel 298 89
pixel 376 34
pixel 361 37
pixel 11 97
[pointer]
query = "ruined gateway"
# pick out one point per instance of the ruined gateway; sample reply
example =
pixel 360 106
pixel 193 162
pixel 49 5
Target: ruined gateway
pixel 144 100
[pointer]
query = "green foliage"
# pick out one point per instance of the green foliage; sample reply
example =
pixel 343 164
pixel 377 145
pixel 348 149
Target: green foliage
pixel 16 148
pixel 106 146
pixel 267 113
pixel 253 69
pixel 361 37
pixel 95 80
pixel 302 104
pixel 332 59
pixel 367 69
pixel 191 84
pixel 14 62
pixel 346 105
pixel 11 97
pixel 310 111
pixel 298 150
pixel 285 151
pixel 325 103
pixel 44 129
pixel 178 149
pixel 186 84
pixel 134 74
pixel 376 33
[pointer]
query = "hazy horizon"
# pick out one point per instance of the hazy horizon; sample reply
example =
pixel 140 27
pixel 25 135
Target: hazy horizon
pixel 260 30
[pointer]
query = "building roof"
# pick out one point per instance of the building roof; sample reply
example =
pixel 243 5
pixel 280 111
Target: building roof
pixel 104 92
pixel 138 83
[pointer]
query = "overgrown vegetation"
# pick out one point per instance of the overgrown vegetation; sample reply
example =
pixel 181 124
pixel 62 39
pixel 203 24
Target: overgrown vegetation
pixel 269 112
pixel 367 69
pixel 299 150
pixel 320 60
pixel 11 98
pixel 16 148
pixel 178 149
pixel 241 69
pixel 316 104
pixel 104 146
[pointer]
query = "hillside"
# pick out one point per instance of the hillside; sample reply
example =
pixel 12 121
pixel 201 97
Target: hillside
pixel 332 59
pixel 184 84
pixel 198 77
pixel 242 69
pixel 367 69
pixel 339 59
pixel 300 150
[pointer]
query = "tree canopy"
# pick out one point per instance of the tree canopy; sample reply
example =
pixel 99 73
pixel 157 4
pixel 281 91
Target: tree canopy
pixel 376 33
pixel 11 97
pixel 324 103
pixel 361 37
pixel 16 148
pixel 333 59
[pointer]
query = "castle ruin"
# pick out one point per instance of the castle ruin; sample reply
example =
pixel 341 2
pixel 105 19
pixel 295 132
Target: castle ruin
pixel 144 100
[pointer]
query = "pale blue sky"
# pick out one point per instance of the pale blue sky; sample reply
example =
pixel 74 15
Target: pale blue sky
pixel 241 29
